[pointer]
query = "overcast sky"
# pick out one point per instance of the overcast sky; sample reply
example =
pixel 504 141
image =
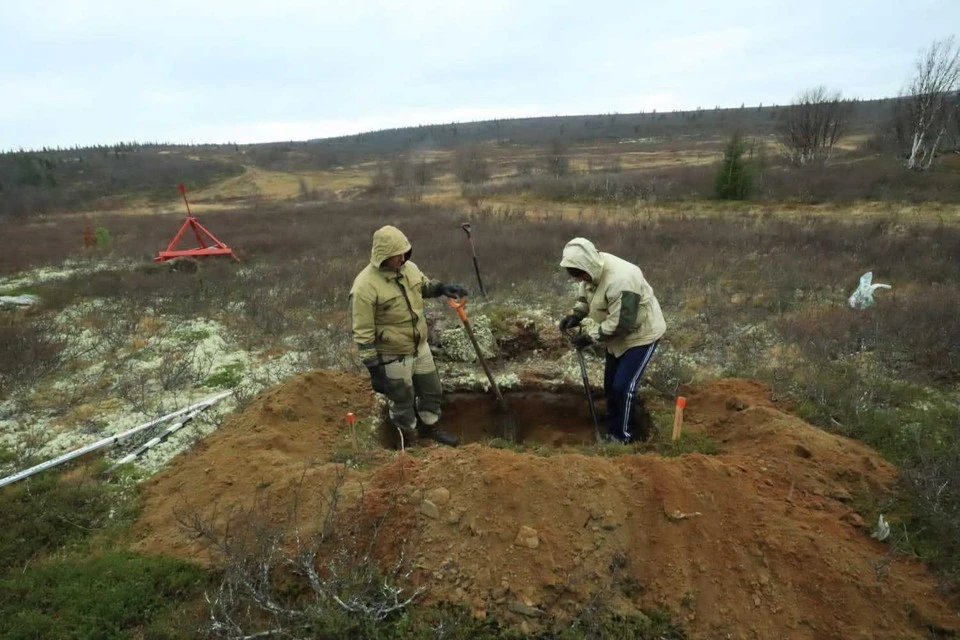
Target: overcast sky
pixel 199 71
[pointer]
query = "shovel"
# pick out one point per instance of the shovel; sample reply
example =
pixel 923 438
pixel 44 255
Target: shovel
pixel 509 426
pixel 467 229
pixel 586 389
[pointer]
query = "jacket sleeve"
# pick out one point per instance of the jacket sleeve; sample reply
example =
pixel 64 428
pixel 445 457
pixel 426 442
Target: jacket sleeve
pixel 362 308
pixel 430 288
pixel 624 310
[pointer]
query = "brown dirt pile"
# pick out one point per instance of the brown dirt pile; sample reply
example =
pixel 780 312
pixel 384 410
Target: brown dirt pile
pixel 281 440
pixel 760 541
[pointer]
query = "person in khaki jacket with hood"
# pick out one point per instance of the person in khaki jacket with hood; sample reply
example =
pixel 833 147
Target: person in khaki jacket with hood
pixel 630 324
pixel 390 330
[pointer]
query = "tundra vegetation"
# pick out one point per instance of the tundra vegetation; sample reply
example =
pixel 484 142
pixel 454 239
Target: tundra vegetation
pixel 753 224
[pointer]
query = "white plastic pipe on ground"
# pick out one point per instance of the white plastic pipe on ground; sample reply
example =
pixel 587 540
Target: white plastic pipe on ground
pixel 26 473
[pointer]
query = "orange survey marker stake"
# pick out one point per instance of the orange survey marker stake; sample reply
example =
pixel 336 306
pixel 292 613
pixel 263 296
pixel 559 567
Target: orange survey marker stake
pixel 351 419
pixel 678 418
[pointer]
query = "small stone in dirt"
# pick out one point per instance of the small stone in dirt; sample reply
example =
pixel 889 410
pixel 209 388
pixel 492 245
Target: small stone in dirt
pixel 841 494
pixel 439 496
pixel 416 496
pixel 518 607
pixel 473 527
pixel 854 519
pixel 527 537
pixel 454 518
pixel 802 451
pixel 736 403
pixel 429 509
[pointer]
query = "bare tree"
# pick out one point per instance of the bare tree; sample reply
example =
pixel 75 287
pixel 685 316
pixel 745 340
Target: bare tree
pixel 471 165
pixel 401 170
pixel 380 182
pixel 956 123
pixel 422 173
pixel 811 126
pixel 331 551
pixel 928 98
pixel 558 159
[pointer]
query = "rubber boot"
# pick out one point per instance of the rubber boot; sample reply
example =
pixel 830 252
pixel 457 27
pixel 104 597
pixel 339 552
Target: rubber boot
pixel 410 435
pixel 437 435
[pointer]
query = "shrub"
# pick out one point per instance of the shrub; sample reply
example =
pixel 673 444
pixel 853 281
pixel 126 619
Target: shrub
pixel 46 513
pixel 110 595
pixel 734 179
pixel 29 349
pixel 933 483
pixel 103 237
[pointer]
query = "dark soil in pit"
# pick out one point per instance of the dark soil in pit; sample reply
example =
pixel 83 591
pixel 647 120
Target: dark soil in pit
pixel 553 418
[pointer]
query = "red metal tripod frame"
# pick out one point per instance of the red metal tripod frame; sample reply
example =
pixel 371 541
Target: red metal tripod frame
pixel 215 248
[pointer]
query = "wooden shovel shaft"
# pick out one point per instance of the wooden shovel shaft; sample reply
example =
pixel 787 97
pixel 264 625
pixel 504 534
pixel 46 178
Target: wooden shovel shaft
pixel 510 428
pixel 473 250
pixel 586 388
pixel 483 363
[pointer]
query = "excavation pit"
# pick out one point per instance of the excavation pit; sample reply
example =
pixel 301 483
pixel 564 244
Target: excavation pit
pixel 544 418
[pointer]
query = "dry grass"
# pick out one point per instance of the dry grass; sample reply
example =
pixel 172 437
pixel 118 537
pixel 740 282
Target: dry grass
pixel 746 293
pixel 670 176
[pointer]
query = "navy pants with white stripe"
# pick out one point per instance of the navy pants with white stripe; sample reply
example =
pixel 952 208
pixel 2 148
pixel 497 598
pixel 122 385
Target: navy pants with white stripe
pixel 621 379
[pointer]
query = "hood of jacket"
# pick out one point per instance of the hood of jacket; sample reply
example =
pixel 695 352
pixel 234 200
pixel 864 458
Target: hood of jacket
pixel 580 253
pixel 388 241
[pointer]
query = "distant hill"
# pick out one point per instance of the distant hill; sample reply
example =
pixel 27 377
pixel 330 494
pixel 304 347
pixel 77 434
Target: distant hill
pixel 652 126
pixel 758 120
pixel 103 177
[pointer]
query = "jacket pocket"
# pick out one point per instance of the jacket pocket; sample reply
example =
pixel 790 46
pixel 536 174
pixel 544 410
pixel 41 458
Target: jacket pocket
pixel 392 310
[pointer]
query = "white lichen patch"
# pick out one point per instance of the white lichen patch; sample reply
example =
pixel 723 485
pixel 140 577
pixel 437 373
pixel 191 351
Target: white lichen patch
pixel 456 346
pixel 109 386
pixel 593 363
pixel 65 270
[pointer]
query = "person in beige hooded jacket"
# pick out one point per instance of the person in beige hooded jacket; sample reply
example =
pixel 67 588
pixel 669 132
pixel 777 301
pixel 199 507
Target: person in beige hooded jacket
pixel 390 331
pixel 629 325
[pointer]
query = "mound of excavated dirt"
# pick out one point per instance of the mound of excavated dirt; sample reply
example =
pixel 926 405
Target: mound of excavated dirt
pixel 759 541
pixel 281 440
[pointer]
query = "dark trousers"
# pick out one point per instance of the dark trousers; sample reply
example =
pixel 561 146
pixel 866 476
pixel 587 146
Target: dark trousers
pixel 621 378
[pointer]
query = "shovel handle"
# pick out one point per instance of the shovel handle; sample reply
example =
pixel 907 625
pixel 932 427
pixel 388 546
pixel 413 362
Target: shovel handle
pixel 459 304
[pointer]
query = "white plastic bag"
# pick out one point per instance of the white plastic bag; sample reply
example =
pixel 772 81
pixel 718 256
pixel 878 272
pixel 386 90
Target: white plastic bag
pixel 19 301
pixel 863 296
pixel 882 532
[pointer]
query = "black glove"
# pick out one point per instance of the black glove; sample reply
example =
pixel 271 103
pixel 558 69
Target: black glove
pixel 453 291
pixel 570 321
pixel 378 373
pixel 582 340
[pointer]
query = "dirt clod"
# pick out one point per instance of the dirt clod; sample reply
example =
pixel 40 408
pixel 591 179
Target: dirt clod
pixel 527 537
pixel 429 509
pixel 439 496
